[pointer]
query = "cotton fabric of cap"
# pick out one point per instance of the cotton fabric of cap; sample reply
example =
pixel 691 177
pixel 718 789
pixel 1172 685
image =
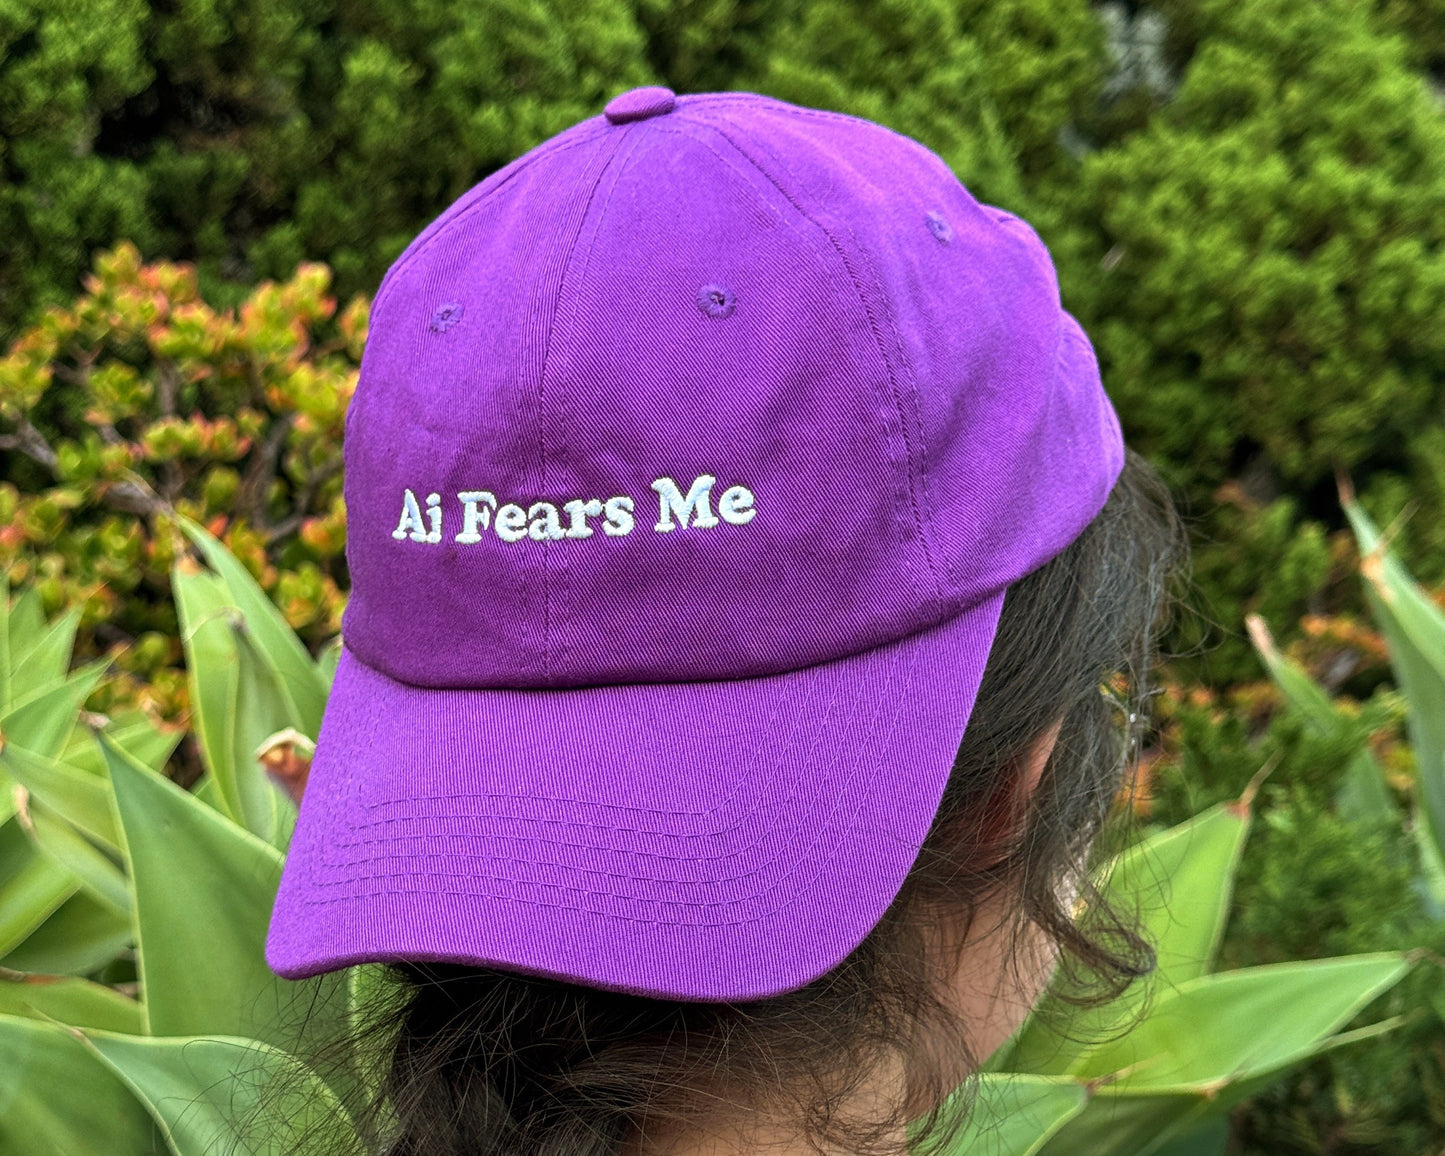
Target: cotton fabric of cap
pixel 691 457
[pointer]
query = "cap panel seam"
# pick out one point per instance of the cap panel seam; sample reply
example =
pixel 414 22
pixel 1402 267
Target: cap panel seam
pixel 617 144
pixel 626 146
pixel 705 101
pixel 873 322
pixel 888 405
pixel 483 194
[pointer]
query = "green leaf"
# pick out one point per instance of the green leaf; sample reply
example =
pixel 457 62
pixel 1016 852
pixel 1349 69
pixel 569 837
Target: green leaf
pixel 1120 1122
pixel 7 660
pixel 32 886
pixel 230 1095
pixel 81 936
pixel 302 684
pixel 1179 881
pixel 76 1002
pixel 327 662
pixel 1364 793
pixel 205 790
pixel 1431 883
pixel 68 848
pixel 141 737
pixel 1414 630
pixel 372 994
pixel 1124 1119
pixel 135 732
pixel 259 713
pixel 49 659
pixel 203 890
pixel 211 672
pixel 1244 1023
pixel 42 721
pixel 58 1099
pixel 25 625
pixel 236 702
pixel 1208 1139
pixel 1015 1115
pixel 1182 880
pixel 79 796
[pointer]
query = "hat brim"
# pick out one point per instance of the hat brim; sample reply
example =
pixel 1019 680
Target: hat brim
pixel 694 841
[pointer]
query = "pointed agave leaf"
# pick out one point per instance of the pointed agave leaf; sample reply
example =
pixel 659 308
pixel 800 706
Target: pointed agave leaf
pixel 56 839
pixel 81 936
pixel 1180 882
pixel 1431 883
pixel 57 1097
pixel 259 713
pixel 144 740
pixel 1364 793
pixel 42 720
pixel 302 684
pixel 135 732
pixel 1117 1122
pixel 1183 879
pixel 237 703
pixel 72 1001
pixel 79 796
pixel 32 886
pixel 7 662
pixel 371 992
pixel 1414 629
pixel 1016 1115
pixel 212 674
pixel 1124 1119
pixel 203 891
pixel 205 790
pixel 25 625
pixel 1210 1138
pixel 230 1095
pixel 49 659
pixel 327 662
pixel 1209 1030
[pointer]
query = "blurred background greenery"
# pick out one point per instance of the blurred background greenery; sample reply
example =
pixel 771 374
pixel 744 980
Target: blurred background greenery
pixel 1245 200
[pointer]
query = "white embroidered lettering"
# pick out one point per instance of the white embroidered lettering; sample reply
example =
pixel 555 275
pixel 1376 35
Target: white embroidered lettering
pixel 511 523
pixel 434 512
pixel 475 513
pixel 544 522
pixel 691 510
pixel 619 517
pixel 579 511
pixel 411 524
pixel 736 505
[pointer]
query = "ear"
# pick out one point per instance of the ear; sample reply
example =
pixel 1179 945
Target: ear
pixel 1009 807
pixel 1036 760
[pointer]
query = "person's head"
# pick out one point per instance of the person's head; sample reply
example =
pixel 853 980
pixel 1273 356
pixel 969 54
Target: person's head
pixel 771 802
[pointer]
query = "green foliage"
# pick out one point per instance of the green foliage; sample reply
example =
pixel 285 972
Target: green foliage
pixel 1339 863
pixel 1260 259
pixel 179 1038
pixel 1185 1045
pixel 248 135
pixel 141 403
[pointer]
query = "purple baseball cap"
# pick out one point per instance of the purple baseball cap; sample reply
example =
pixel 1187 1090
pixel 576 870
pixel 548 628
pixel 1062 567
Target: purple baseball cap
pixel 691 457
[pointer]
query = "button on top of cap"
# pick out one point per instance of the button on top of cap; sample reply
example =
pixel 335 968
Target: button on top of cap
pixel 639 104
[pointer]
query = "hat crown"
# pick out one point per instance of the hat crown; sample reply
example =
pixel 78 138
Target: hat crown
pixel 724 391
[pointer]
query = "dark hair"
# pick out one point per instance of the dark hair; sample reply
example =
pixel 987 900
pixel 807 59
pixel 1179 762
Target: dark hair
pixel 489 1063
